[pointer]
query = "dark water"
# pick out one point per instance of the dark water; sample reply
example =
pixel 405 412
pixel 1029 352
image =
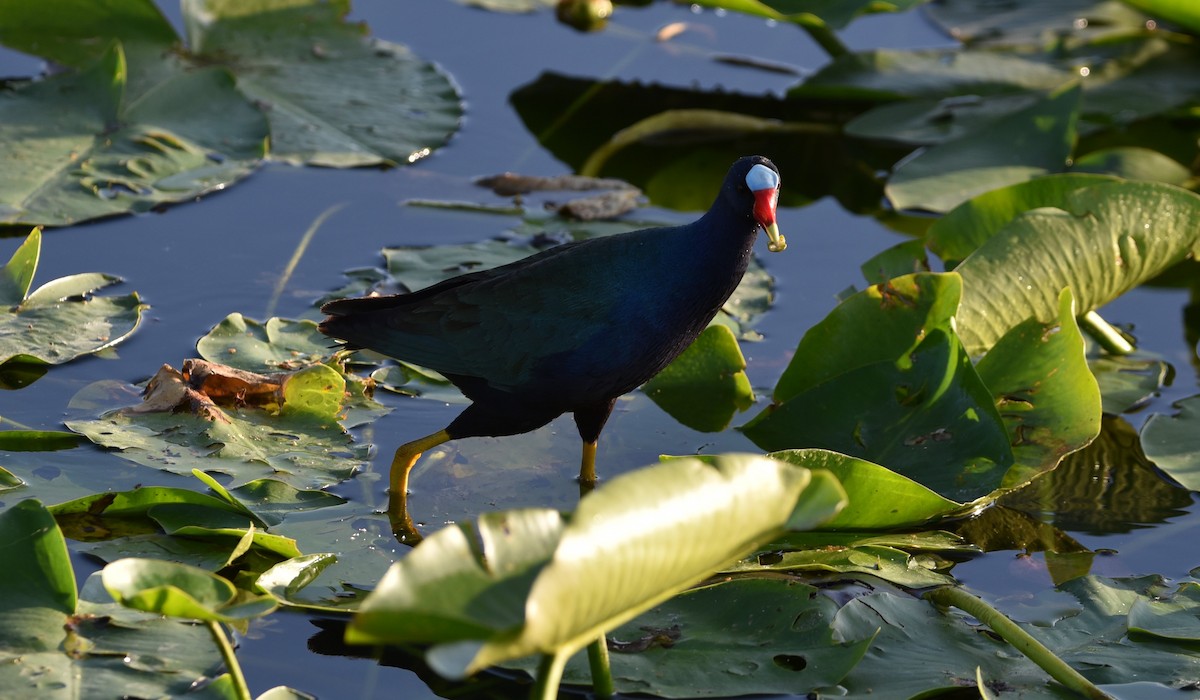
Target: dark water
pixel 198 262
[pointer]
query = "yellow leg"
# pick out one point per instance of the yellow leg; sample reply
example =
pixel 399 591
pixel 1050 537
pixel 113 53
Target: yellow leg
pixel 587 469
pixel 402 463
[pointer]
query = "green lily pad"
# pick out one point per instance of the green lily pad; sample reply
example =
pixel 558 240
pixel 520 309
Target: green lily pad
pixel 278 344
pixel 1173 442
pixel 1133 164
pixel 940 652
pixel 1045 392
pixel 902 259
pixel 925 121
pixel 37 440
pixel 1104 241
pixel 879 499
pixel 1180 12
pixel 178 590
pixel 744 637
pixel 320 81
pixel 527 599
pixel 54 642
pixel 969 225
pixel 55 323
pixel 187 136
pixel 1031 141
pixel 245 443
pixel 1128 381
pixel 705 386
pixel 1176 618
pixel 835 14
pixel 918 408
pixel 881 562
pixel 887 74
pixel 1029 22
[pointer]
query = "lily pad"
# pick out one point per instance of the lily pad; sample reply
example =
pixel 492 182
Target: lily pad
pixel 835 14
pixel 969 225
pixel 178 590
pixel 1032 141
pixel 1045 392
pixel 55 642
pixel 245 443
pixel 705 386
pixel 1128 381
pixel 1087 628
pixel 1173 442
pixel 907 397
pixel 1103 241
pixel 187 136
pixel 278 344
pixel 59 321
pixel 538 571
pixel 744 637
pixel 320 81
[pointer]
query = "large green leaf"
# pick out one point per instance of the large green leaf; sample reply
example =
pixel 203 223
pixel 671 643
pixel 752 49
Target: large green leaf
pixel 885 379
pixel 969 225
pixel 320 80
pixel 877 498
pixel 37 590
pixel 1104 241
pixel 278 344
pixel 1044 390
pixel 1020 145
pixel 1185 14
pixel 558 595
pixel 705 386
pixel 56 324
pixel 1176 618
pixel 1173 442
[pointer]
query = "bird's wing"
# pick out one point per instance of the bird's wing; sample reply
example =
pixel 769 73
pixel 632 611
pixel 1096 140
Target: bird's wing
pixel 494 324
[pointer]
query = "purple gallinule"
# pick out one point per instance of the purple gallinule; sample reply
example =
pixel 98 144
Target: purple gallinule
pixel 571 328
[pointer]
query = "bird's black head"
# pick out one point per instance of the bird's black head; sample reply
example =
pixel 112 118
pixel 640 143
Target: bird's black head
pixel 753 183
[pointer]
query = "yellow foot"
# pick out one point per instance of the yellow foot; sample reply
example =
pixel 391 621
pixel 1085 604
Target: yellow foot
pixel 587 469
pixel 402 463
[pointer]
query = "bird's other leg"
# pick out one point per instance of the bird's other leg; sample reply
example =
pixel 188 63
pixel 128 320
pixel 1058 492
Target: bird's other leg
pixel 402 463
pixel 590 421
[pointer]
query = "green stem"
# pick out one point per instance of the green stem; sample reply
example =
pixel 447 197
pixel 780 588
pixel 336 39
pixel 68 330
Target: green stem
pixel 1021 640
pixel 602 681
pixel 1102 332
pixel 549 675
pixel 824 36
pixel 230 659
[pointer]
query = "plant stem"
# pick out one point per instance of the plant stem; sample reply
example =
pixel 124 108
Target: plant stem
pixel 824 36
pixel 1102 332
pixel 230 659
pixel 1021 640
pixel 602 682
pixel 549 675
